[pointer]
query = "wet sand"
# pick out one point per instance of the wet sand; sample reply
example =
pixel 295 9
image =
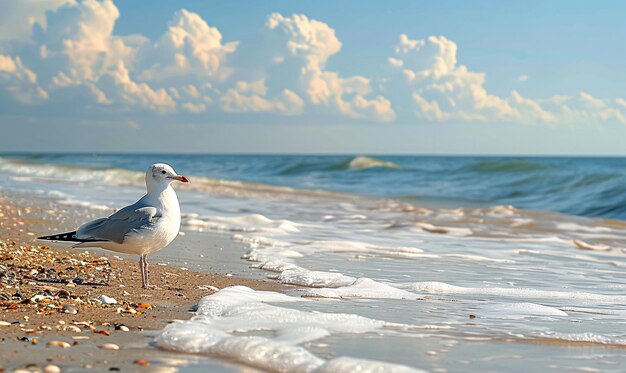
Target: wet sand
pixel 51 294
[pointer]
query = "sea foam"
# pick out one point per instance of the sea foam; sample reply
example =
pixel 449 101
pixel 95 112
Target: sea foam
pixel 244 311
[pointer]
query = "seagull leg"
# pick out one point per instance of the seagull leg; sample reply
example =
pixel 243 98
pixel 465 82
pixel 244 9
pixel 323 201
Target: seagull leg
pixel 142 267
pixel 146 284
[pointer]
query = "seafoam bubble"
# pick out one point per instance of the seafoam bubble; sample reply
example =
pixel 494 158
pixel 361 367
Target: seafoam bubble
pixel 512 292
pixel 518 310
pixel 361 288
pixel 349 365
pixel 242 309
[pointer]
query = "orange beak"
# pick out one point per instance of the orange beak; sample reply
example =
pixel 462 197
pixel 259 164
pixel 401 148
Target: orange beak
pixel 181 178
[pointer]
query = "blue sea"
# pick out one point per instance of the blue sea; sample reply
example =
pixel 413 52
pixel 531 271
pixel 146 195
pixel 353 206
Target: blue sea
pixel 394 263
pixel 593 187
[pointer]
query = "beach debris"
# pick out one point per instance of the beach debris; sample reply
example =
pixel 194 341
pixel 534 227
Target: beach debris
pixel 141 362
pixel 69 308
pixel 130 310
pixel 122 327
pixel 73 328
pixel 110 346
pixel 145 306
pixel 102 331
pixel 50 368
pixel 4 323
pixel 60 344
pixel 107 300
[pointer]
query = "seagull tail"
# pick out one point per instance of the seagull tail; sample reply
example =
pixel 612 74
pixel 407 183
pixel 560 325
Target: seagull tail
pixel 67 237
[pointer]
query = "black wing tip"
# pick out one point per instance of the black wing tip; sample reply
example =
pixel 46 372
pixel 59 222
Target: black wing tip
pixel 69 236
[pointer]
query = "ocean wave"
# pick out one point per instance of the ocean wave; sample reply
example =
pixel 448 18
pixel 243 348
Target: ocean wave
pixel 579 339
pixel 62 173
pixel 362 163
pixel 513 165
pixel 357 163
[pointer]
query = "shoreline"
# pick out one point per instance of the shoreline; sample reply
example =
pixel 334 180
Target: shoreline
pixel 51 294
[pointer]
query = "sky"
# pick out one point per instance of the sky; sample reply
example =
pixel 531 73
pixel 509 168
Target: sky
pixel 367 77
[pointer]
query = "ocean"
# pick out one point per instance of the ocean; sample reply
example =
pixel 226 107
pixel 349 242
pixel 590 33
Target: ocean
pixel 437 263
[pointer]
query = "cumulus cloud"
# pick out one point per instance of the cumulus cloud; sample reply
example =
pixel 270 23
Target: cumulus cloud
pixel 189 48
pixel 251 97
pixel 18 82
pixel 118 86
pixel 444 90
pixel 78 40
pixel 311 43
pixel 62 52
pixel 18 17
pixel 89 62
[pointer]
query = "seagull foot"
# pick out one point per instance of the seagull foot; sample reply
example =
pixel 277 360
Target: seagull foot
pixel 151 287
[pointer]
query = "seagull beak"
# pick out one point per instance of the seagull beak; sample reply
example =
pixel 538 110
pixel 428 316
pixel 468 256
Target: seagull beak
pixel 181 178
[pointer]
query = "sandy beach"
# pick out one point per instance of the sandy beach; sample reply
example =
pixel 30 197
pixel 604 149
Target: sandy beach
pixel 81 311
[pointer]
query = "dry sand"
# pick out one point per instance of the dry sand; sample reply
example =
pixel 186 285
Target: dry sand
pixel 53 294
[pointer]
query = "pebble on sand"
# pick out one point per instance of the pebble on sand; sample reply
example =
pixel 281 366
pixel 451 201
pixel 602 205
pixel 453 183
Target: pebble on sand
pixel 51 369
pixel 107 300
pixel 110 346
pixel 58 344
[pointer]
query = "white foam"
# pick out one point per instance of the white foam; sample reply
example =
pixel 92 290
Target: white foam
pixel 362 162
pixel 569 226
pixel 316 279
pixel 277 256
pixel 426 227
pixel 593 247
pixel 583 337
pixel 356 246
pixel 518 310
pixel 242 310
pixel 93 206
pixel 349 365
pixel 361 288
pixel 444 288
pixel 244 223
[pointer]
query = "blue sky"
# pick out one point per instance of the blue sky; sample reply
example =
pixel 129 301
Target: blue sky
pixel 420 77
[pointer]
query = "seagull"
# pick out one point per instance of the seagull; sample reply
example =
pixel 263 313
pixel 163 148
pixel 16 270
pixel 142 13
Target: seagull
pixel 143 228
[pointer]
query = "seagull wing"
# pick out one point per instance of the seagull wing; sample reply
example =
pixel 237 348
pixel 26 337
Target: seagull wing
pixel 117 226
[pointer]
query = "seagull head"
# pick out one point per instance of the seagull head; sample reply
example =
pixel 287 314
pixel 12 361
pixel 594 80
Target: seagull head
pixel 163 174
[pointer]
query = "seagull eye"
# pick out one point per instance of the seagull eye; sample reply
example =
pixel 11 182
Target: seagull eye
pixel 163 172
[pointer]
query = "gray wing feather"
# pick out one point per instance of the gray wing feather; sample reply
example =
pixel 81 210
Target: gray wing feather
pixel 117 226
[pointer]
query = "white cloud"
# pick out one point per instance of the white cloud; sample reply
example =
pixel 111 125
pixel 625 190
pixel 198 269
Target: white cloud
pixel 118 86
pixel 591 102
pixel 78 40
pixel 251 97
pixel 189 47
pixel 91 63
pixel 19 82
pixel 311 43
pixel 18 17
pixel 444 91
pixel 66 52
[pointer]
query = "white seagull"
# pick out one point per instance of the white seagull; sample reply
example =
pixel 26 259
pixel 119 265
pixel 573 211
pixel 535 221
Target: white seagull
pixel 143 228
